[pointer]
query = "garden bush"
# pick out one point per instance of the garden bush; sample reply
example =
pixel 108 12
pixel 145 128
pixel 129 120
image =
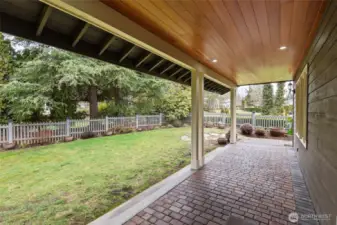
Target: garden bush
pixel 222 141
pixel 260 132
pixel 209 124
pixel 87 135
pixel 127 130
pixel 221 125
pixel 277 132
pixel 246 129
pixel 177 123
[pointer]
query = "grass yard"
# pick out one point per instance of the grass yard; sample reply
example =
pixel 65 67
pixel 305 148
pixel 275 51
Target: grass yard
pixel 76 182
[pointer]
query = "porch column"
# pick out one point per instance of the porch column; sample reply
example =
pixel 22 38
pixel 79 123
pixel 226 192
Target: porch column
pixel 233 116
pixel 197 160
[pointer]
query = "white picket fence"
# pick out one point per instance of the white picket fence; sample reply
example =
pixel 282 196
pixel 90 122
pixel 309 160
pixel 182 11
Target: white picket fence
pixel 51 132
pixel 266 122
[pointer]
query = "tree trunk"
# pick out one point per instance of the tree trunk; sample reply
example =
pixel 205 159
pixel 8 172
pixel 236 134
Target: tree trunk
pixel 93 102
pixel 117 95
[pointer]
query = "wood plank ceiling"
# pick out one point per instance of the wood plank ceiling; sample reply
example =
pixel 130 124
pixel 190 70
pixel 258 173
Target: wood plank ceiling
pixel 243 36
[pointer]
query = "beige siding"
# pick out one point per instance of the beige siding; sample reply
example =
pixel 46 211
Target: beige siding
pixel 319 161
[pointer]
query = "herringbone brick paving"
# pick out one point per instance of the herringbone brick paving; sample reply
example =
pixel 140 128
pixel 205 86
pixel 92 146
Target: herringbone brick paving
pixel 251 181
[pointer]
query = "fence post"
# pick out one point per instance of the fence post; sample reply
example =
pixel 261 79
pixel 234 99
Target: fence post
pixel 160 119
pixel 10 131
pixel 136 121
pixel 106 123
pixel 68 127
pixel 253 119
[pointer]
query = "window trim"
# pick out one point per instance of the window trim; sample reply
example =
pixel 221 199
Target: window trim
pixel 302 92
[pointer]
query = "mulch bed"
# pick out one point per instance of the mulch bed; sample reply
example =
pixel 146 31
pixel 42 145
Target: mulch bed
pixel 268 136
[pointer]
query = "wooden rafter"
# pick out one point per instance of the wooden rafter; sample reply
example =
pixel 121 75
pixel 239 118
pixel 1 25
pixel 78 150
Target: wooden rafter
pixel 157 64
pixel 167 68
pixel 80 34
pixel 43 20
pixel 182 76
pixel 127 53
pixel 107 44
pixel 176 72
pixel 143 59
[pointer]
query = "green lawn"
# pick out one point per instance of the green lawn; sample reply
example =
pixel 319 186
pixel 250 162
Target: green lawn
pixel 76 182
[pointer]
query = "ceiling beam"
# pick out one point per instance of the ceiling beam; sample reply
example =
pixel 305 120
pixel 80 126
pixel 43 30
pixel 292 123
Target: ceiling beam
pixel 107 44
pixel 80 34
pixel 127 53
pixel 157 64
pixel 176 72
pixel 143 59
pixel 182 76
pixel 43 20
pixel 167 68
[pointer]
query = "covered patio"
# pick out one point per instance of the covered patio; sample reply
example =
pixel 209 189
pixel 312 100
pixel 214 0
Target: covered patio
pixel 255 180
pixel 215 46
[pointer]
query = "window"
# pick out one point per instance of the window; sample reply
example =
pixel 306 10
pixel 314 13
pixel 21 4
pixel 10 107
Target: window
pixel 301 106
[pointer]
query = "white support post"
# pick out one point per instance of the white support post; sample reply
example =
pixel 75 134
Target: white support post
pixel 106 123
pixel 197 160
pixel 160 119
pixel 10 132
pixel 137 121
pixel 68 127
pixel 233 116
pixel 254 119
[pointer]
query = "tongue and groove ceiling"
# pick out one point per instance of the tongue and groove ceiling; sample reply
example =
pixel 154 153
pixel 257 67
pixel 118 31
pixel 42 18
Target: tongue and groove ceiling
pixel 243 36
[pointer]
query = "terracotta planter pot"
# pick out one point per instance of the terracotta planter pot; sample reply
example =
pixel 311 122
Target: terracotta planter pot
pixel 9 146
pixel 108 133
pixel 68 139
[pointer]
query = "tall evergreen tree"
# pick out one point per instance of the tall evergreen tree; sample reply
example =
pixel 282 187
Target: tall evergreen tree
pixel 279 99
pixel 6 70
pixel 267 101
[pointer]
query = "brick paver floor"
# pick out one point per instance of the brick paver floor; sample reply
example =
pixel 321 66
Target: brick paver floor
pixel 254 180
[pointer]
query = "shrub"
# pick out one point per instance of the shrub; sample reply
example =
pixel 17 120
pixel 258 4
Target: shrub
pixel 209 124
pixel 277 132
pixel 221 125
pixel 222 141
pixel 170 126
pixel 177 123
pixel 126 130
pixel 246 129
pixel 87 135
pixel 260 132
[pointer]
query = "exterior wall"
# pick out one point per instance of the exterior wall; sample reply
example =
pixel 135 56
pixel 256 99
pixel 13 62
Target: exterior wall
pixel 319 161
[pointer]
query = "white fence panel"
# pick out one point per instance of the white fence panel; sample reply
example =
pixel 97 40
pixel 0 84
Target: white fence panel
pixel 267 121
pixel 148 120
pixel 3 134
pixel 39 133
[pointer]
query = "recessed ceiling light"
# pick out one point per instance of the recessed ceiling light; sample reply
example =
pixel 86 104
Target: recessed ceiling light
pixel 214 60
pixel 283 47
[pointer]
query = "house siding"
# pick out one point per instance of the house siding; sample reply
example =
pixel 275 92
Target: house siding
pixel 318 161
